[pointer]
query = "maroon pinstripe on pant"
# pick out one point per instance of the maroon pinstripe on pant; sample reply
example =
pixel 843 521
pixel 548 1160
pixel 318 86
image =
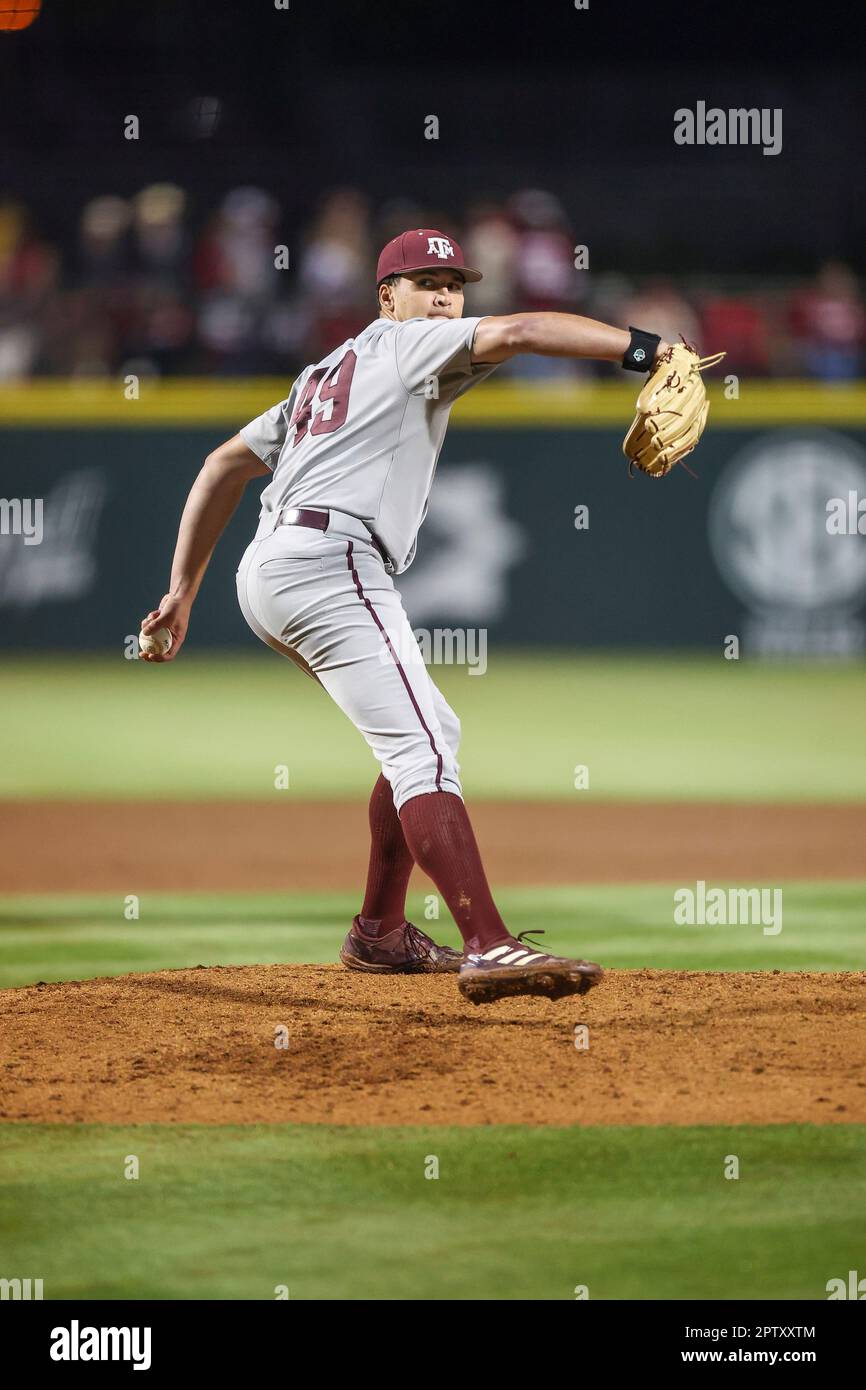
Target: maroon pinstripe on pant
pixel 404 678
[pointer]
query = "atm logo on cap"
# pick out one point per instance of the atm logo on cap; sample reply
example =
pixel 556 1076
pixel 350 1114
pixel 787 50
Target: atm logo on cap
pixel 439 246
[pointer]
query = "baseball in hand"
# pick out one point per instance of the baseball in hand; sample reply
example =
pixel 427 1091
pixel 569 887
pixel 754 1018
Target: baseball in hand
pixel 157 643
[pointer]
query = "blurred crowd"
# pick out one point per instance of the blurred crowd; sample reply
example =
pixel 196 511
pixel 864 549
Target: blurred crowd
pixel 151 285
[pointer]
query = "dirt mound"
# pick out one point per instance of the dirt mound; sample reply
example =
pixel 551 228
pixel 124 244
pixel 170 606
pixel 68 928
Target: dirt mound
pixel 664 1048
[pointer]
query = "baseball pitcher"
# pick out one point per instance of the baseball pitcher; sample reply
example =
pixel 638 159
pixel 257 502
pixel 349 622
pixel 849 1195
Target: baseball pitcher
pixel 350 457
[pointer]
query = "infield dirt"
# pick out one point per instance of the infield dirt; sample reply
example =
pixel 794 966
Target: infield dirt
pixel 198 1045
pixel 176 846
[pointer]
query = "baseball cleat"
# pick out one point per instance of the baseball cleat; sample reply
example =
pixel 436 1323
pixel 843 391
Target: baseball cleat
pixel 511 968
pixel 404 951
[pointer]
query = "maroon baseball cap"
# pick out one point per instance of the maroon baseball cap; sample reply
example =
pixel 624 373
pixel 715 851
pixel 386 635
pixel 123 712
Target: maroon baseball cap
pixel 422 249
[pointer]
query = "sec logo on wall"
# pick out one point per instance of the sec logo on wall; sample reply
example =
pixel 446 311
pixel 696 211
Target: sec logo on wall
pixel 802 582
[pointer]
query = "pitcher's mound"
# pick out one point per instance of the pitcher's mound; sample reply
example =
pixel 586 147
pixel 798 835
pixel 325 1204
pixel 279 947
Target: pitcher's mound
pixel 645 1047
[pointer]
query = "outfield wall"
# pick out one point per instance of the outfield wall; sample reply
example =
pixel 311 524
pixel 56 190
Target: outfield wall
pixel 535 532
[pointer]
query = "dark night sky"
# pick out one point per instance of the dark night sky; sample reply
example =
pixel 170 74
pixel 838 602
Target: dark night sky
pixel 472 35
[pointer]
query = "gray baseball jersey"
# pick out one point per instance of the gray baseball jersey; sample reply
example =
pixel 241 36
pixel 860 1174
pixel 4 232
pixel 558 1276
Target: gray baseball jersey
pixel 361 431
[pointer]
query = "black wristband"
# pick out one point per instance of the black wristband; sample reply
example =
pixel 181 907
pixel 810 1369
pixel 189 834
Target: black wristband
pixel 641 351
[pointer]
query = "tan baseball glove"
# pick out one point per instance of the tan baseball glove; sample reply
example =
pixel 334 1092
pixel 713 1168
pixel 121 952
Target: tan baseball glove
pixel 671 412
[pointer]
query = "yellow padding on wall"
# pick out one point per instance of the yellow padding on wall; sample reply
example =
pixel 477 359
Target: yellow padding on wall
pixel 230 403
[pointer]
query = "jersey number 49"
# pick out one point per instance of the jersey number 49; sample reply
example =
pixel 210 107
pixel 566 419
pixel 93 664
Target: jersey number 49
pixel 335 389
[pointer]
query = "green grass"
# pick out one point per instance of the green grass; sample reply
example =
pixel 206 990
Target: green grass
pixel 338 1213
pixel 59 937
pixel 646 726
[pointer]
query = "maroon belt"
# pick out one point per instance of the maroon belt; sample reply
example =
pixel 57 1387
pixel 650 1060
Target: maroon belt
pixel 319 521
pixel 304 516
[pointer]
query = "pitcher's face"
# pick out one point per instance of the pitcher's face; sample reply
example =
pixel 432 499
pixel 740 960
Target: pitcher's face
pixel 426 294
